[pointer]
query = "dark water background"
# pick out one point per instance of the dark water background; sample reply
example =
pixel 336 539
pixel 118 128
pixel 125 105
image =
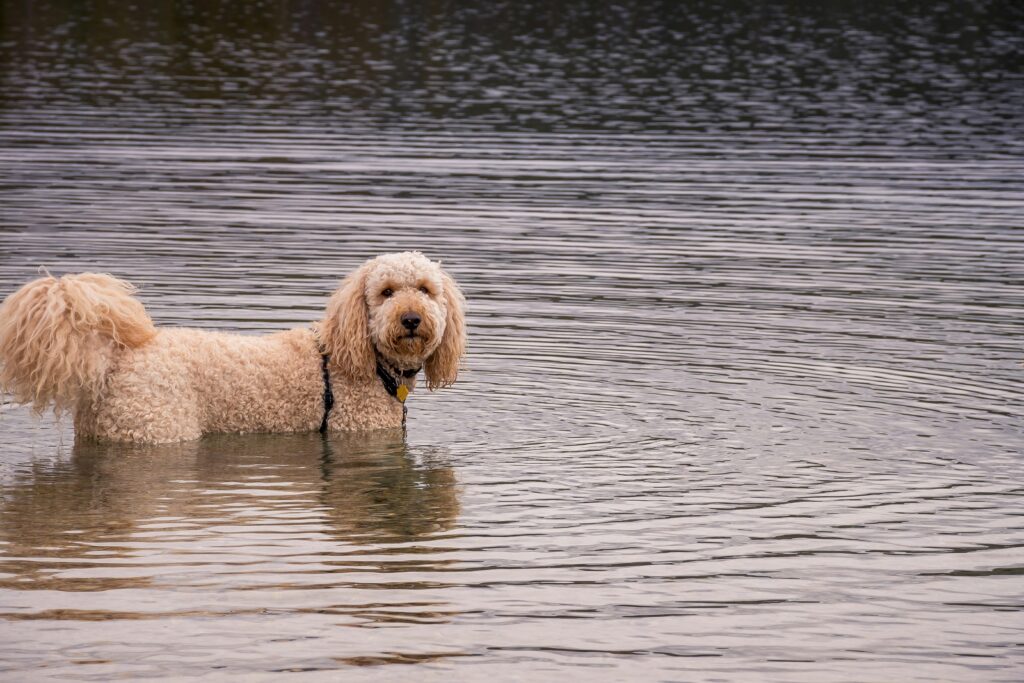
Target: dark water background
pixel 744 393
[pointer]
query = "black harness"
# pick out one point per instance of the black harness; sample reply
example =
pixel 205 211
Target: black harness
pixel 395 389
pixel 328 394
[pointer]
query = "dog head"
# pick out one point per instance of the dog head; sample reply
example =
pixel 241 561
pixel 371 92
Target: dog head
pixel 402 307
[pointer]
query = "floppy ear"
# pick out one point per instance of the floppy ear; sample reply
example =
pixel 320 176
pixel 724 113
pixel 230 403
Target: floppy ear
pixel 345 331
pixel 442 367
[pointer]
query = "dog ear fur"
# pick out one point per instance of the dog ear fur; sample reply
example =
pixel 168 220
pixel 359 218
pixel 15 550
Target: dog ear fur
pixel 345 331
pixel 442 367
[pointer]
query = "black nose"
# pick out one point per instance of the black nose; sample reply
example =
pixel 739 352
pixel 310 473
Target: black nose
pixel 410 320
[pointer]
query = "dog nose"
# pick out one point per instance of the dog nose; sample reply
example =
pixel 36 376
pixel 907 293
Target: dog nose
pixel 410 320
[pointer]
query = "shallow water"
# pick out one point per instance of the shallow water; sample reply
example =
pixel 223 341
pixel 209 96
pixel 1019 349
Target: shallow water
pixel 743 398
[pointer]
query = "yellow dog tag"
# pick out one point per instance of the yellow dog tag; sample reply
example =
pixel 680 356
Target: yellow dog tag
pixel 402 393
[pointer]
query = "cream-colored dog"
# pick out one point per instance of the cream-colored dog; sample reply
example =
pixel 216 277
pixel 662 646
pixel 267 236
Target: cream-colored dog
pixel 83 344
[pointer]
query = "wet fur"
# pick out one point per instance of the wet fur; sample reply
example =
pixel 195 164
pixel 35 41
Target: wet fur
pixel 84 344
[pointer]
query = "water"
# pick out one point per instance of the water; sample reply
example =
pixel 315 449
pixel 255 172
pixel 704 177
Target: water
pixel 743 398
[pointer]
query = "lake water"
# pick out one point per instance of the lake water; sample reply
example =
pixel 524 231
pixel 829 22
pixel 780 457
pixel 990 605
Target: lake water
pixel 743 399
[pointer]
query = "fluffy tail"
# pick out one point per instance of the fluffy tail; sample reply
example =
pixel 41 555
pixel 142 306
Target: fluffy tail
pixel 57 337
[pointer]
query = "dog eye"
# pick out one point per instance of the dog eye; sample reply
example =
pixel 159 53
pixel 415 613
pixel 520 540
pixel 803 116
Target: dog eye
pixel 386 293
pixel 425 291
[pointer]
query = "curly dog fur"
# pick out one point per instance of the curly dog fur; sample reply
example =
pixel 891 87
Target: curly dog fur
pixel 83 344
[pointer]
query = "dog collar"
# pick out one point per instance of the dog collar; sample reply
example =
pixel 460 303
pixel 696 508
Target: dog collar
pixel 392 385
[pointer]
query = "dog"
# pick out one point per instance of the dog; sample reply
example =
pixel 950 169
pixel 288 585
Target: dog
pixel 83 344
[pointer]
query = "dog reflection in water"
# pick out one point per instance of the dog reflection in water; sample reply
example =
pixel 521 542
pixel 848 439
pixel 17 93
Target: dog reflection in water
pixel 218 492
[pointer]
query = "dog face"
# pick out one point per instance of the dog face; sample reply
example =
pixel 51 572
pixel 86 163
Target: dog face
pixel 405 309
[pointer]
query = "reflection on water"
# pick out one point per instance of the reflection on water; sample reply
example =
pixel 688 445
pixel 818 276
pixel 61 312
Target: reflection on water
pixel 111 503
pixel 743 398
pixel 216 528
pixel 372 493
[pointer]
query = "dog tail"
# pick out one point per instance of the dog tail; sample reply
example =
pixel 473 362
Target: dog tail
pixel 58 336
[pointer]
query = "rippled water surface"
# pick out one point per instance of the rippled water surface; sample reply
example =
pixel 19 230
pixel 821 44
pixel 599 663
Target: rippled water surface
pixel 743 398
